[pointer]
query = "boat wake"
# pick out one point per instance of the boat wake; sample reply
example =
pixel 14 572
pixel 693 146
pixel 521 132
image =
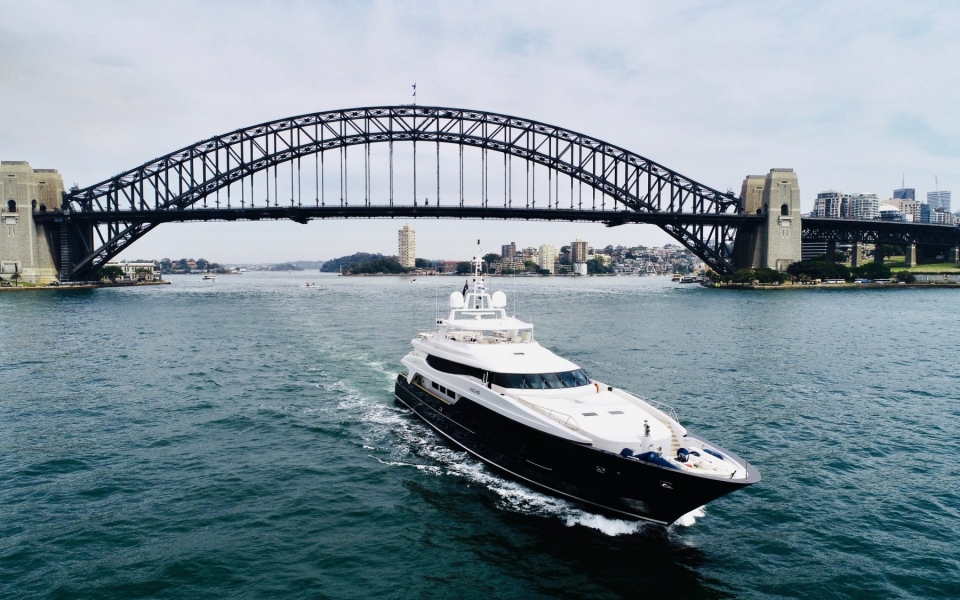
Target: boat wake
pixel 395 438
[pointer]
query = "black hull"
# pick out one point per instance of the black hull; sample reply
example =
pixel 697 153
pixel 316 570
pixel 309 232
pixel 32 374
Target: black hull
pixel 624 487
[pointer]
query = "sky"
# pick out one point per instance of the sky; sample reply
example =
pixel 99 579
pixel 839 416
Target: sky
pixel 854 96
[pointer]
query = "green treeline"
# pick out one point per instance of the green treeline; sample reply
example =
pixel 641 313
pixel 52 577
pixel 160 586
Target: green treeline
pixel 816 268
pixel 388 265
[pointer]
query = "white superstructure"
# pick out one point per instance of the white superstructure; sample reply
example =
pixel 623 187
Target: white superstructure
pixel 479 352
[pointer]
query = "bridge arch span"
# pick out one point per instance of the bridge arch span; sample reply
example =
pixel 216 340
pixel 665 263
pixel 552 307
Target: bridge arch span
pixel 122 209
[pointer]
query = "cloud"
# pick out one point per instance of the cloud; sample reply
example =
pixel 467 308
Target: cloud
pixel 849 94
pixel 917 132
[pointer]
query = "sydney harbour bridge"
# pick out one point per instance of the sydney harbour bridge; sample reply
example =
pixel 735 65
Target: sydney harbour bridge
pixel 434 162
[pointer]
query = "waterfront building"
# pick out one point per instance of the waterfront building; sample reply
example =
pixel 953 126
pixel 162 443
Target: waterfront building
pixel 864 206
pixel 134 271
pixel 448 266
pixel 578 251
pixel 547 257
pixel 26 249
pixel 407 247
pixel 580 268
pixel 905 194
pixel 508 265
pixel 939 199
pixel 509 250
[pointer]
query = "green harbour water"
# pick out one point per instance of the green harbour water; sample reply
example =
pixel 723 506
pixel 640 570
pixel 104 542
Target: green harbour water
pixel 240 439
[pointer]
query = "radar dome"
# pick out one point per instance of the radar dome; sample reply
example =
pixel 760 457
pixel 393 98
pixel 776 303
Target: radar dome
pixel 456 300
pixel 498 300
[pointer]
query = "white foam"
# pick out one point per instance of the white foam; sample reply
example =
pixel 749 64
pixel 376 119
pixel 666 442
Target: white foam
pixel 691 517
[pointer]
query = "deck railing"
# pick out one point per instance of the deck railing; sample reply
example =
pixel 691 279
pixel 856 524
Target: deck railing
pixel 564 419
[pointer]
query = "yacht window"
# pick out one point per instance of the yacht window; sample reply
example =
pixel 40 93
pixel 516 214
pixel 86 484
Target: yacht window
pixel 533 382
pixel 552 381
pixel 589 414
pixel 616 412
pixel 448 366
pixel 434 384
pixel 519 381
pixel 443 390
pixel 451 394
pixel 581 377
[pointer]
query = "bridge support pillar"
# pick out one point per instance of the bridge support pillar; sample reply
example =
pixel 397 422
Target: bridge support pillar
pixel 856 254
pixel 955 254
pixel 831 252
pixel 75 243
pixel 776 243
pixel 910 252
pixel 878 254
pixel 27 247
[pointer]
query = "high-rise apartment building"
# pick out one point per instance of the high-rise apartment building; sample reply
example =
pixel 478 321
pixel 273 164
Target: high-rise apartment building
pixel 546 257
pixel 939 199
pixel 864 206
pixel 831 204
pixel 578 251
pixel 508 250
pixel 905 194
pixel 407 247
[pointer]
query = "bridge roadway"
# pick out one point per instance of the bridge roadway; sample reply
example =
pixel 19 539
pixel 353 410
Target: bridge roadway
pixel 303 214
pixel 848 231
pixel 815 229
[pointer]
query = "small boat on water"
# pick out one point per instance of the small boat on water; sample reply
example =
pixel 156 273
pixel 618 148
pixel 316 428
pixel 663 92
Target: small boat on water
pixel 676 277
pixel 484 384
pixel 311 285
pixel 690 279
pixel 209 277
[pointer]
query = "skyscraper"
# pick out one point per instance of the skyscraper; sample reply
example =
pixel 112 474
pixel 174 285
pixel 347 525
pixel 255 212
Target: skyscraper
pixel 546 257
pixel 407 251
pixel 939 199
pixel 578 251
pixel 508 250
pixel 905 194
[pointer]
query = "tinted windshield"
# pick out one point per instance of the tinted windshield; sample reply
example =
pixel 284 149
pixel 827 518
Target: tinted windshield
pixel 541 381
pixel 519 381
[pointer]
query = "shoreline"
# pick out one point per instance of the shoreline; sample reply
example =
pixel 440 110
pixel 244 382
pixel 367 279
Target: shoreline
pixel 826 286
pixel 82 286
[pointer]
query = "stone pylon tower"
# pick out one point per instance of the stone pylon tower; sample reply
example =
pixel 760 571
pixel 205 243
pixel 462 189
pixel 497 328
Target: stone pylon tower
pixel 776 242
pixel 27 249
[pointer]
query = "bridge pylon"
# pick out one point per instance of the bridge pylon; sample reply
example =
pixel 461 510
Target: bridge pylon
pixel 774 242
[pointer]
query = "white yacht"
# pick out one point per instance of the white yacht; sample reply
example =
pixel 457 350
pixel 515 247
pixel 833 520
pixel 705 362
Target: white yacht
pixel 209 278
pixel 484 383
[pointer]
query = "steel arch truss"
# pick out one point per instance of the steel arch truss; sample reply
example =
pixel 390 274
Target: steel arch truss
pixel 180 180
